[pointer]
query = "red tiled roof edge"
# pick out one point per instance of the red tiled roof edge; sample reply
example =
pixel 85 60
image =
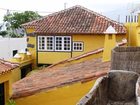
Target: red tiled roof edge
pixel 34 24
pixel 93 77
pixel 9 64
pixel 25 24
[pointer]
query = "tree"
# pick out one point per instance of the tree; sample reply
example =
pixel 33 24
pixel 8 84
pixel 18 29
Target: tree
pixel 3 33
pixel 16 19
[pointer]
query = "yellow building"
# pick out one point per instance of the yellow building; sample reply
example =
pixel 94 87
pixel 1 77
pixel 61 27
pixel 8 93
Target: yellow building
pixel 133 30
pixel 63 83
pixel 69 33
pixel 7 70
pixel 24 59
pixel 77 38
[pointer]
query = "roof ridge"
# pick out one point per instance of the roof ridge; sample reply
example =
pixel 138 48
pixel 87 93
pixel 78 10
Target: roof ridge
pixel 79 6
pixel 54 13
pixel 96 13
pixel 47 24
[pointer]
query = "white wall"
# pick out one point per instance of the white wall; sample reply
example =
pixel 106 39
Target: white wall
pixel 7 45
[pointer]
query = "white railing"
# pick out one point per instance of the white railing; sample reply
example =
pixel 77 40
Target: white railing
pixel 131 18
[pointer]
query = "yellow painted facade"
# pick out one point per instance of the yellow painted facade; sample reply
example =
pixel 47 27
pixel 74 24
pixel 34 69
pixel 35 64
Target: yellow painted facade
pixel 22 61
pixel 133 32
pixel 110 43
pixel 71 94
pixel 66 95
pixel 32 40
pixel 52 57
pixel 16 75
pixel 7 80
pixel 90 42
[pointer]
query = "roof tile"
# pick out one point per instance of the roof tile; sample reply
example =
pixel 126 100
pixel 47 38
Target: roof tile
pixel 6 66
pixel 58 76
pixel 74 20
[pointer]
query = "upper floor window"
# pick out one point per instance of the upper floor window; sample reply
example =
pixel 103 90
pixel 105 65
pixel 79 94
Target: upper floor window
pixel 50 43
pixel 77 46
pixel 54 43
pixel 41 43
pixel 62 43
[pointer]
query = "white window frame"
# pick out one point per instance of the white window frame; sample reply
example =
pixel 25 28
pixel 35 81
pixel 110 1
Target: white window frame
pixel 51 43
pixel 63 43
pixel 44 43
pixel 54 43
pixel 76 46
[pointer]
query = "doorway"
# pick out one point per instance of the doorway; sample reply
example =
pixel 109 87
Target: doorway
pixel 25 70
pixel 2 95
pixel 14 52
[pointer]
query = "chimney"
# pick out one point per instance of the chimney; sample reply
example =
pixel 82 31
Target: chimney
pixel 109 44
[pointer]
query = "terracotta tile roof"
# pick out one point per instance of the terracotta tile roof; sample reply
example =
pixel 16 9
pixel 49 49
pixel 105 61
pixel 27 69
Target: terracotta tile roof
pixel 6 66
pixel 74 20
pixel 49 78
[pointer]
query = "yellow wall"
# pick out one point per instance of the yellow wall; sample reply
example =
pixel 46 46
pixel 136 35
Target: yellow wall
pixel 110 43
pixel 6 79
pixel 131 33
pixel 67 95
pixel 80 59
pixel 138 36
pixel 16 75
pixel 52 57
pixel 91 42
pixel 23 61
pixel 32 40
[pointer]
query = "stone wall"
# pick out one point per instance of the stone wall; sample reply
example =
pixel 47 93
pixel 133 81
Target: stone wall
pixel 118 88
pixel 126 58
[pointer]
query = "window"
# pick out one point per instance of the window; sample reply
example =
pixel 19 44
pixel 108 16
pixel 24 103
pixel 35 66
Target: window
pixel 54 43
pixel 2 94
pixel 77 46
pixel 62 43
pixel 58 43
pixel 50 43
pixel 41 43
pixel 14 52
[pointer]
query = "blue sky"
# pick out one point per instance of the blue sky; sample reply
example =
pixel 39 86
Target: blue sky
pixel 48 6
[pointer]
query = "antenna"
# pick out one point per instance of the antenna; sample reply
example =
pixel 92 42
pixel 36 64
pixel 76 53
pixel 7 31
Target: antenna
pixel 8 12
pixel 65 5
pixel 118 18
pixel 134 8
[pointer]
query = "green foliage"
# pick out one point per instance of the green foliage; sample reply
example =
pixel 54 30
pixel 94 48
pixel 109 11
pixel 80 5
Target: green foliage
pixel 14 35
pixel 11 102
pixel 16 19
pixel 3 33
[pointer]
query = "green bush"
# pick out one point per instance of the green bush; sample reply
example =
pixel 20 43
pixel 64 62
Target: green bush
pixel 11 102
pixel 3 33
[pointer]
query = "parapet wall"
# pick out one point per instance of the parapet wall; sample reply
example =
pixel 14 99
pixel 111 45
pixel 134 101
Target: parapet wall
pixel 126 58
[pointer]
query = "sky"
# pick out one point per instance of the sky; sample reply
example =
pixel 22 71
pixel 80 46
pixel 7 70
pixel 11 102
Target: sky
pixel 45 7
